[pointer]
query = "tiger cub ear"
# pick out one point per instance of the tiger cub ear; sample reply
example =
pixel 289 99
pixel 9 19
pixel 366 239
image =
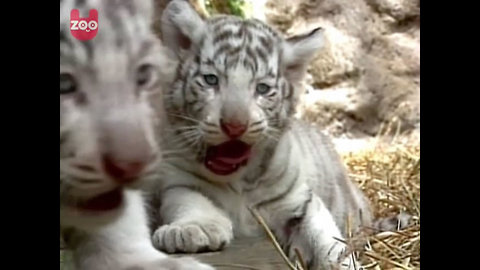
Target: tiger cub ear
pixel 182 27
pixel 299 50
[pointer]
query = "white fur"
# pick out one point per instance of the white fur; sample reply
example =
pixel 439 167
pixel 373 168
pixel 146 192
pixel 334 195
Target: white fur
pixel 190 213
pixel 126 244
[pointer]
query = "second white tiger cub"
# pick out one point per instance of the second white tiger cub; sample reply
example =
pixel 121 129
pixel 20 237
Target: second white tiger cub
pixel 236 145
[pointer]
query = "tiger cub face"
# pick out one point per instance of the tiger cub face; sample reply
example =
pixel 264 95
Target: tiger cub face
pixel 110 109
pixel 235 85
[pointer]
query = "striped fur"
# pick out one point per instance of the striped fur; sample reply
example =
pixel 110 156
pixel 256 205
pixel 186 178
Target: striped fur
pixel 294 177
pixel 110 104
pixel 242 54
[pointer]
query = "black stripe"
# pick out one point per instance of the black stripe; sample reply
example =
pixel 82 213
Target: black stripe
pixel 231 62
pixel 221 21
pixel 199 84
pixel 251 59
pixel 271 74
pixel 280 64
pixel 208 62
pixel 283 193
pixel 200 105
pixel 197 73
pixel 266 158
pixel 249 36
pixel 269 148
pixel 225 66
pixel 256 130
pixel 266 43
pixel 221 50
pixel 197 59
pixel 256 123
pixel 304 206
pixel 241 32
pixel 272 94
pixel 222 36
pixel 184 96
pixel 210 124
pixel 262 54
pixel 235 51
pixel 250 65
pixel 190 187
pixel 192 103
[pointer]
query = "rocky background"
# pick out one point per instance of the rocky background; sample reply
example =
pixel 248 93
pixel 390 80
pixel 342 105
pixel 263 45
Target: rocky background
pixel 368 75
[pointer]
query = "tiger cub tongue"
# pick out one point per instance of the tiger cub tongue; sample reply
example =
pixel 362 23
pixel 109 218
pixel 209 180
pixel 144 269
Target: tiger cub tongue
pixel 226 158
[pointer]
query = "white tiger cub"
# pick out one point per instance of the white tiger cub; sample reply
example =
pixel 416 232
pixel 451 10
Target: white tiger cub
pixel 110 108
pixel 235 144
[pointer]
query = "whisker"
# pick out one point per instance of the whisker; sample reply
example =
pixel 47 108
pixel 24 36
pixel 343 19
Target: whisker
pixel 193 141
pixel 271 137
pixel 169 152
pixel 272 133
pixel 188 141
pixel 210 124
pixel 185 135
pixel 182 128
pixel 184 117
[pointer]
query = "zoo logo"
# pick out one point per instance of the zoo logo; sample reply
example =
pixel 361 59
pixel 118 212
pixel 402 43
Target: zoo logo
pixel 84 28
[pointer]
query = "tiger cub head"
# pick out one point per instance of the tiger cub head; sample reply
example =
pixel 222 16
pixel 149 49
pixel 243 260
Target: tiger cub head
pixel 235 86
pixel 110 108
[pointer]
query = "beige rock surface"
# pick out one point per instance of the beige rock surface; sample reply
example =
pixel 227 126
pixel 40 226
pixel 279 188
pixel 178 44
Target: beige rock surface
pixel 369 70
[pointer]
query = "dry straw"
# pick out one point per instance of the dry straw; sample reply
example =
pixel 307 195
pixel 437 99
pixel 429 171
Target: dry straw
pixel 389 174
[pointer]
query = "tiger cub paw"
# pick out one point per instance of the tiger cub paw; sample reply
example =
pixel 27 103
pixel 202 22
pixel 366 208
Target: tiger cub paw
pixel 192 237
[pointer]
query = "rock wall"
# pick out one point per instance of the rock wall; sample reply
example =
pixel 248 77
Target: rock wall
pixel 369 71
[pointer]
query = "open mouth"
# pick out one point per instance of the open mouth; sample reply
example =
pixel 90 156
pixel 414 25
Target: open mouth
pixel 226 158
pixel 104 202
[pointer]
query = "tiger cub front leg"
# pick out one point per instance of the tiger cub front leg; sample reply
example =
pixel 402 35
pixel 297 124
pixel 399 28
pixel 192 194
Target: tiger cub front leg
pixel 191 223
pixel 312 230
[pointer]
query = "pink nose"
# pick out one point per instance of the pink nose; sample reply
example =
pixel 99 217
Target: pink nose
pixel 122 172
pixel 233 130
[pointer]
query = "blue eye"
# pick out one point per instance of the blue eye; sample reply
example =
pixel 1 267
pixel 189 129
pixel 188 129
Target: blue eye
pixel 211 79
pixel 262 88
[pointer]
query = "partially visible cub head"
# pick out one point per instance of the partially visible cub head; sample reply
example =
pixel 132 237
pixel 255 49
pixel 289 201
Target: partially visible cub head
pixel 236 87
pixel 110 109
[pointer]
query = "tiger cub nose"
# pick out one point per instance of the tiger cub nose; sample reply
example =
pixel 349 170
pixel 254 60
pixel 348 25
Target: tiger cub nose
pixel 233 129
pixel 122 172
